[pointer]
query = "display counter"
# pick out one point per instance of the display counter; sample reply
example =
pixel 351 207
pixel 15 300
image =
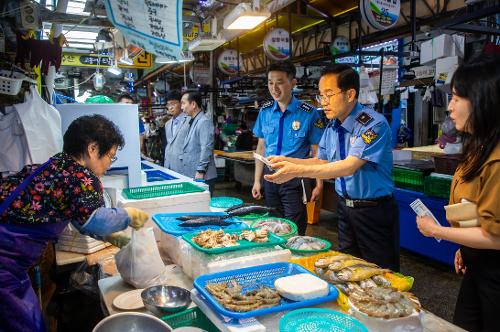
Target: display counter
pixel 112 287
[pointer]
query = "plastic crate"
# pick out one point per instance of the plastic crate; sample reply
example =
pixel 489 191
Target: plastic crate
pixel 274 240
pixel 254 277
pixel 437 186
pixel 193 317
pixel 161 190
pixel 157 175
pixel 446 163
pixel 410 236
pixel 408 179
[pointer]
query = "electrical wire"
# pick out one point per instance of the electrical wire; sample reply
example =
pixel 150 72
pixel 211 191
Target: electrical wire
pixel 6 13
pixel 74 86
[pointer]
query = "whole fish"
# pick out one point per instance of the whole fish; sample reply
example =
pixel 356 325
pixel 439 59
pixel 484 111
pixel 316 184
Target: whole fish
pixel 325 261
pixel 247 209
pixel 340 265
pixel 205 221
pixel 358 273
pixel 190 217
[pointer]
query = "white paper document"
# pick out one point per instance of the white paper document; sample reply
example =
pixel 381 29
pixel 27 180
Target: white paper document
pixel 422 210
pixel 264 160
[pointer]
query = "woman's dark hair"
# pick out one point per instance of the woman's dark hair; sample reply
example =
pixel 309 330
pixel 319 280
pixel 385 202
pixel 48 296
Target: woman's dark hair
pixel 284 66
pixel 193 96
pixel 91 129
pixel 173 95
pixel 347 78
pixel 478 80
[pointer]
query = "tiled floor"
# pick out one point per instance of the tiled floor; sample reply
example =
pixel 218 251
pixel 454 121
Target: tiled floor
pixel 436 284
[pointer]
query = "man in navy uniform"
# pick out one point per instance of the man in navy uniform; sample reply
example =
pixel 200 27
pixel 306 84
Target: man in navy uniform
pixel 355 150
pixel 288 127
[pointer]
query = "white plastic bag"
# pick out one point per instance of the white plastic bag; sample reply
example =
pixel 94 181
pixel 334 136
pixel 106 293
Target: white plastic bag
pixel 139 262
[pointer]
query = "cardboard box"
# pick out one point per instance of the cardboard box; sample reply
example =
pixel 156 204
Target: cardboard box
pixel 445 68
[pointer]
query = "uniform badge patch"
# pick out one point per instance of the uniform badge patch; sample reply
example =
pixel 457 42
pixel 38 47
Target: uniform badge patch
pixel 319 124
pixel 267 104
pixel 295 125
pixel 306 107
pixel 369 136
pixel 364 118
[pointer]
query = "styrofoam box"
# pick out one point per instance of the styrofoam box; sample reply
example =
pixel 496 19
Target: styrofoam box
pixel 192 202
pixel 445 68
pixel 81 250
pixel 438 47
pixel 195 262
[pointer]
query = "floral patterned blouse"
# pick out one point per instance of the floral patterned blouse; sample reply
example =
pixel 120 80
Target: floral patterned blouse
pixel 63 191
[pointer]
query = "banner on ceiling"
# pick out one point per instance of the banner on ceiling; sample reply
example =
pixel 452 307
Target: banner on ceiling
pixel 277 44
pixel 380 14
pixel 142 61
pixel 153 25
pixel 228 62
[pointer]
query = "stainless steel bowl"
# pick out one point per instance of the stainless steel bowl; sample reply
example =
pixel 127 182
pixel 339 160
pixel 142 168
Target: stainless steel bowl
pixel 162 300
pixel 131 322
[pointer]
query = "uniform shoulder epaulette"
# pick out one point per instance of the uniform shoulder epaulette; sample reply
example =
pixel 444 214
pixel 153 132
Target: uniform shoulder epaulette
pixel 364 118
pixel 267 104
pixel 319 123
pixel 306 107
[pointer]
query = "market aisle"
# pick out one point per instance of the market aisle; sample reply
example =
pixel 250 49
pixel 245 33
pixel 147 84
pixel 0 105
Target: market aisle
pixel 436 284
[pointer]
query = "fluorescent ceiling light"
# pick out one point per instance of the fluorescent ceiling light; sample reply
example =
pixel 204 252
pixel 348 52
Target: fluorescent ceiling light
pixel 243 17
pixel 201 44
pixel 165 60
pixel 81 45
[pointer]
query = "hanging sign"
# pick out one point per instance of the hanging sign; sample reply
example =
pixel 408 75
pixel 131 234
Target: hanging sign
pixel 142 61
pixel 153 25
pixel 228 62
pixel 277 44
pixel 380 14
pixel 340 45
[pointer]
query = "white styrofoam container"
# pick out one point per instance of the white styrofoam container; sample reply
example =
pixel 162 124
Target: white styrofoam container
pixel 73 248
pixel 196 263
pixel 445 68
pixel 438 47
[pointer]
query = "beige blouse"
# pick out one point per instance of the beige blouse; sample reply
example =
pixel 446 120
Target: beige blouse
pixel 484 190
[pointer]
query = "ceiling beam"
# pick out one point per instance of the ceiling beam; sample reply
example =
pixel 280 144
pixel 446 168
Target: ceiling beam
pixel 473 28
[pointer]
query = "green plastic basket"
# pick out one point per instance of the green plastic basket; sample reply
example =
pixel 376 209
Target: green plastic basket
pixel 224 202
pixel 193 317
pixel 437 186
pixel 243 244
pixel 327 247
pixel 285 236
pixel 408 179
pixel 319 320
pixel 253 216
pixel 161 190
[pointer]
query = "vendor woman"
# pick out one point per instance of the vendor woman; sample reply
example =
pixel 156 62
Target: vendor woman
pixel 474 108
pixel 37 204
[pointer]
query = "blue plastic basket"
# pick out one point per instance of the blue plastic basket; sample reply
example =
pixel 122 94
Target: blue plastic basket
pixel 144 166
pixel 224 202
pixel 168 223
pixel 157 175
pixel 319 320
pixel 254 277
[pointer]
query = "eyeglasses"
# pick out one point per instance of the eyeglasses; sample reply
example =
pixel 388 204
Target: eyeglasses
pixel 326 99
pixel 112 158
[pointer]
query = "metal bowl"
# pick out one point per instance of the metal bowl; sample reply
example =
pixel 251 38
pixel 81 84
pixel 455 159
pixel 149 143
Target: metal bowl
pixel 162 300
pixel 131 322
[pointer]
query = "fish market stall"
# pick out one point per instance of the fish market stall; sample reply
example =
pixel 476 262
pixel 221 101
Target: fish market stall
pixel 265 278
pixel 243 162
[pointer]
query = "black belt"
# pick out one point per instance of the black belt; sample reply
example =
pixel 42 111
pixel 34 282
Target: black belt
pixel 355 203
